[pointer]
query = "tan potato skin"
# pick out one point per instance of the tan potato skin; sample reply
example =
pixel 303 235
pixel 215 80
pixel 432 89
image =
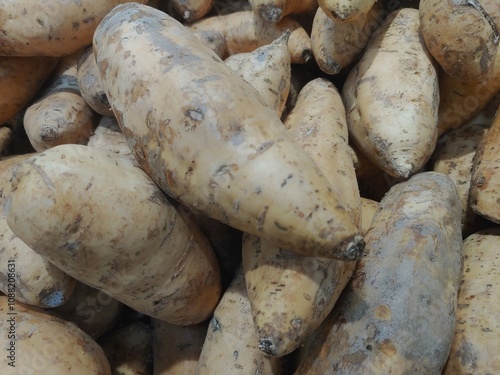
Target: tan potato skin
pixel 337 44
pixel 475 345
pixel 274 10
pixel 318 124
pixel 485 179
pixel 346 10
pixel 268 69
pixel 244 31
pixel 283 317
pixel 89 83
pixel 461 101
pixel 216 147
pixel 140 249
pixel 21 79
pixel 368 209
pixel 36 281
pixel 46 344
pixel 129 349
pixel 177 349
pixel 454 156
pixel 213 39
pixel 5 140
pixel 392 112
pixel 90 309
pixel 192 10
pixel 50 27
pixel 60 115
pixel 231 343
pixel 290 294
pixel 397 314
pixel 108 136
pixel 462 36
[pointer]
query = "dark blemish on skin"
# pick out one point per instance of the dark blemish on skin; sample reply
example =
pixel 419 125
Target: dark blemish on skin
pixel 102 98
pixel 279 226
pixel 286 179
pixel 88 19
pixel 215 324
pixel 261 219
pixel 226 170
pixel 263 147
pixel 467 357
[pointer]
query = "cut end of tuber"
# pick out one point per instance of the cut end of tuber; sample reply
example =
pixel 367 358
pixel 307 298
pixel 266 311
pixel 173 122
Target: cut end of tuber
pixel 267 346
pixel 351 249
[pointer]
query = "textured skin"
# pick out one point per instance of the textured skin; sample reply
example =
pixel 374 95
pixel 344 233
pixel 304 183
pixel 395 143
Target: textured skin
pixel 231 344
pixel 268 69
pixel 47 344
pixel 133 245
pixel 462 36
pixel 392 97
pixel 475 345
pixel 397 314
pixel 22 77
pixel 215 147
pixel 244 31
pixel 38 282
pixel 346 10
pixel 50 27
pixel 336 44
pixel 485 179
pixel 274 10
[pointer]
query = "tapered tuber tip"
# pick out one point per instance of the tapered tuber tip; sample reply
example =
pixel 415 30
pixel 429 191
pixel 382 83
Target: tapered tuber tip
pixel 268 346
pixel 352 249
pixel 284 37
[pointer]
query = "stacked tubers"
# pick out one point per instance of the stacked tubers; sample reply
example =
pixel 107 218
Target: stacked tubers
pixel 249 187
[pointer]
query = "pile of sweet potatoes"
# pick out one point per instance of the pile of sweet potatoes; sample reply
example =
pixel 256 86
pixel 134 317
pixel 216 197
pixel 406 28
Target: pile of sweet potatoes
pixel 249 187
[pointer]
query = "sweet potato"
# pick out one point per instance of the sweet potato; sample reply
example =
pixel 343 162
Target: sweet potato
pixel 60 115
pixel 192 10
pixel 108 136
pixel 461 101
pixel 268 69
pixel 368 209
pixel 485 179
pixel 474 348
pixel 336 44
pixel 89 83
pixel 462 36
pixel 398 312
pixel 215 147
pixel 22 78
pixel 140 249
pixel 36 342
pixel 231 344
pixel 177 349
pixel 93 311
pixel 274 10
pixel 129 349
pixel 454 156
pixel 346 10
pixel 213 39
pixel 273 275
pixel 25 275
pixel 50 27
pixel 245 31
pixel 391 97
